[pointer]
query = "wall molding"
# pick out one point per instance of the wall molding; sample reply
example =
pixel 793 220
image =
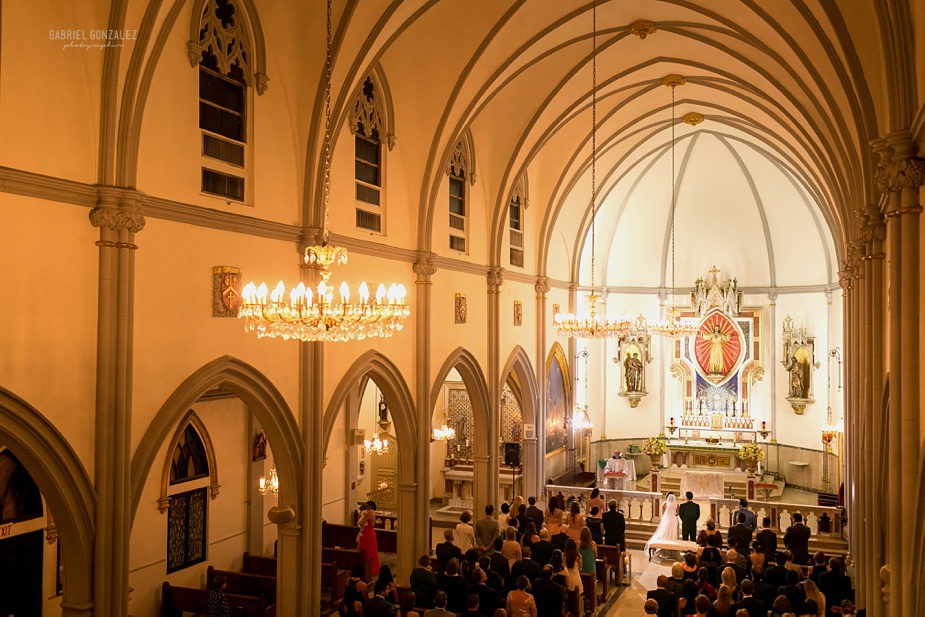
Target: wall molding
pixel 30 184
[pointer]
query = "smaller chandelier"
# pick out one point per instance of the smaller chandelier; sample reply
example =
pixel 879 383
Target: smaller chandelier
pixel 269 484
pixel 581 421
pixel 674 328
pixel 444 433
pixel 376 446
pixel 590 326
pixel 829 433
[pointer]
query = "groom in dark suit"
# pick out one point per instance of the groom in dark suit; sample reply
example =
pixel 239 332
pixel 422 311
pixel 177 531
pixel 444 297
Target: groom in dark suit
pixel 689 513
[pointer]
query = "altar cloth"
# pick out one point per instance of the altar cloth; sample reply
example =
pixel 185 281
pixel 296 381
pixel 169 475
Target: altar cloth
pixel 702 483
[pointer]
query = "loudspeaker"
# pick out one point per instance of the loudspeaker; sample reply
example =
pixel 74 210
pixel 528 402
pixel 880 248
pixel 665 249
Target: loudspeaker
pixel 512 453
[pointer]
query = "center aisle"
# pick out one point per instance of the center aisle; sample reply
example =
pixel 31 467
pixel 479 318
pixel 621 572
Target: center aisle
pixel 629 603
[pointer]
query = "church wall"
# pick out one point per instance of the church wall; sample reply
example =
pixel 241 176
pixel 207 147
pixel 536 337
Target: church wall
pixel 175 333
pixel 53 100
pixel 810 311
pixel 225 421
pixel 512 335
pixel 49 345
pixel 446 335
pixel 169 156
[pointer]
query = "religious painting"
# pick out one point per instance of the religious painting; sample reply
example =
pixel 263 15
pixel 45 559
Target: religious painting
pixel 260 447
pixel 717 347
pixel 518 313
pixel 556 405
pixel 226 291
pixel 460 309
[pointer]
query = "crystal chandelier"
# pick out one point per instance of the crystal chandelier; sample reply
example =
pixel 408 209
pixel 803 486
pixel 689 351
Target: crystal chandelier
pixel 376 446
pixel 269 484
pixel 444 433
pixel 673 328
pixel 315 316
pixel 591 326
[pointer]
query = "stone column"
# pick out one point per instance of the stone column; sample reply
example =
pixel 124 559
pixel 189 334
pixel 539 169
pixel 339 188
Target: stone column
pixel 118 216
pixel 407 543
pixel 538 459
pixel 495 279
pixel 424 268
pixel 900 175
pixel 873 233
pixel 772 324
pixel 311 407
pixel 852 389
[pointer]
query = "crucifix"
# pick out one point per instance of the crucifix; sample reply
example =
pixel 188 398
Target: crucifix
pixel 714 271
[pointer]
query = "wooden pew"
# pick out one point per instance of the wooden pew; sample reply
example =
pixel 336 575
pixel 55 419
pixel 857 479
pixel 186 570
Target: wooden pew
pixel 614 559
pixel 346 558
pixel 345 536
pixel 333 578
pixel 602 570
pixel 177 600
pixel 256 564
pixel 589 592
pixel 244 584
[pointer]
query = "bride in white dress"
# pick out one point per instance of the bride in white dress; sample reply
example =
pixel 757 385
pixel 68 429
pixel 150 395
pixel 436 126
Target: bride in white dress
pixel 668 527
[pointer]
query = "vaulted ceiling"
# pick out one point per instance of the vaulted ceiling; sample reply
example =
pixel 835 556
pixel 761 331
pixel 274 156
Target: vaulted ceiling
pixel 791 92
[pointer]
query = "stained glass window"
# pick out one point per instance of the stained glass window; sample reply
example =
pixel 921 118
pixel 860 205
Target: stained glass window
pixel 189 460
pixel 20 499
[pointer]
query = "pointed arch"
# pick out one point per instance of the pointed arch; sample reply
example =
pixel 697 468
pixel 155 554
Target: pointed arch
pixel 557 354
pixel 462 160
pixel 251 50
pixel 190 419
pixel 379 113
pixel 519 365
pixel 373 365
pixel 262 399
pixel 64 484
pixel 468 367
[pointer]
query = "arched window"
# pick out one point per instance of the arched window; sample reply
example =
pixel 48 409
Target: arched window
pixel 190 466
pixel 516 208
pixel 460 168
pixel 189 461
pixel 223 118
pixel 367 127
pixel 20 499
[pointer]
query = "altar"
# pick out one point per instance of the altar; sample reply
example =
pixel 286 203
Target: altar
pixel 458 489
pixel 703 483
pixel 698 454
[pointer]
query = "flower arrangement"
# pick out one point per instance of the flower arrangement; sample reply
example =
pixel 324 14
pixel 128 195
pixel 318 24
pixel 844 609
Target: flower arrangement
pixel 654 446
pixel 751 452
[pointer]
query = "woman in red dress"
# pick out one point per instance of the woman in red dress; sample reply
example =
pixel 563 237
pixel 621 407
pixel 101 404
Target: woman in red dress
pixel 366 539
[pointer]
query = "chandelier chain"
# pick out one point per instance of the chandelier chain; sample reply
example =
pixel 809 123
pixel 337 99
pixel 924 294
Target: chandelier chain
pixel 327 124
pixel 593 140
pixel 673 194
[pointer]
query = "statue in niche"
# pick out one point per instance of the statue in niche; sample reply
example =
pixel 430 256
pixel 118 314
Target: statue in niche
pixel 632 370
pixel 797 382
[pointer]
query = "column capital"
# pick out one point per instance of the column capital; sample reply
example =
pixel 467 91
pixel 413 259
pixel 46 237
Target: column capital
pixel 425 266
pixel 118 210
pixel 541 287
pixel 495 276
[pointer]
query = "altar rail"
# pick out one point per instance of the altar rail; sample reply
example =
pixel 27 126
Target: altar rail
pixel 636 505
pixel 821 520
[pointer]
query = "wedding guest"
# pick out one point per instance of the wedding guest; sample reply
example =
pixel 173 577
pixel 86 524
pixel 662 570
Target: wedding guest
pixel 614 526
pixel 465 535
pixel 534 513
pixel 423 583
pixel 595 524
pixel 447 550
pixel 575 522
pixel 588 551
pixel 553 516
pixel 723 602
pixel 519 602
pixel 706 533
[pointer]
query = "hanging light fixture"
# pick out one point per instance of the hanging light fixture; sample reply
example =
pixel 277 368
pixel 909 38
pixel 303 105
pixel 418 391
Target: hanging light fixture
pixel 673 327
pixel 376 445
pixel 310 316
pixel 591 326
pixel 269 484
pixel 444 432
